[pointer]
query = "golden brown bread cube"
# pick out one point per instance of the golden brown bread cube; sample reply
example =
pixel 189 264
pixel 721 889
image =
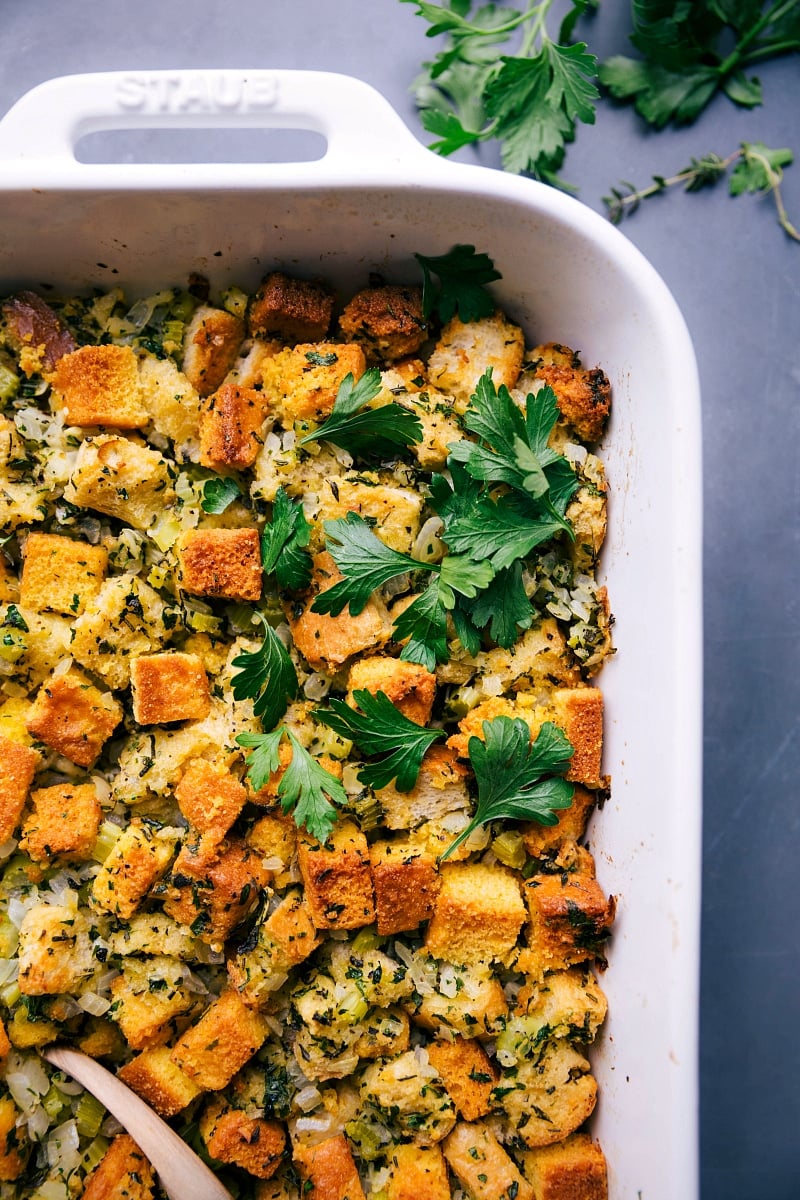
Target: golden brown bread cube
pixel 121 478
pixel 74 717
pixel 226 1036
pixel 147 1000
pixel 474 1013
pixel 482 1166
pixel 123 1173
pixel 221 562
pixel 210 797
pixel 325 641
pixel 252 1143
pixel 409 686
pixel 396 510
pixel 137 861
pixel 406 882
pixel 584 396
pixel 570 826
pixel 210 346
pixel 416 1173
pixel 99 385
pixel 30 322
pixel 5 1044
pixel 18 765
pixel 169 687
pixel 441 788
pixel 59 574
pixel 13 1143
pixel 478 914
pixel 214 887
pixel 579 712
pixel 570 917
pixel 63 822
pixel 328 1170
pixel 156 1078
pixel 467 1073
pixel 283 941
pixel 274 836
pixel 55 952
pixel 230 426
pixel 464 352
pixel 574 1169
pixel 550 1095
pixel 387 321
pixel 302 382
pixel 297 310
pixel 337 878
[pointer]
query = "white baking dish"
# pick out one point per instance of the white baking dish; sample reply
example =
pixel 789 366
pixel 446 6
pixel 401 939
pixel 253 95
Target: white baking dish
pixel 373 199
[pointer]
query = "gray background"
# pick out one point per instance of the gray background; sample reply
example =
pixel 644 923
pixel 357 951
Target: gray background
pixel 736 277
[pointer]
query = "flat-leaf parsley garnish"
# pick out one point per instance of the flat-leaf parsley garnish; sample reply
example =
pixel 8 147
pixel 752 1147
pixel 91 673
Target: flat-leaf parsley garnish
pixel 219 493
pixel 366 432
pixel 462 275
pixel 379 728
pixel 266 676
pixel 284 541
pixel 305 789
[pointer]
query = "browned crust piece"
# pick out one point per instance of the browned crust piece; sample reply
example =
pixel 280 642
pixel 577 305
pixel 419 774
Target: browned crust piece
pixel 123 1173
pixel 74 718
pixel 387 321
pixel 63 822
pixel 230 426
pixel 99 385
pixel 329 1169
pixel 18 765
pixel 406 883
pixel 221 562
pixel 169 687
pixel 296 310
pixel 409 686
pixel 32 322
pixel 252 1143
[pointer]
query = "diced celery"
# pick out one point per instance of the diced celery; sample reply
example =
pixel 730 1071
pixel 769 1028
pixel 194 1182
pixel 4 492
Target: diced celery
pixel 365 940
pixel 107 836
pixel 9 384
pixel 89 1115
pixel 54 1102
pixel 10 994
pixel 235 301
pixel 94 1154
pixel 12 645
pixel 509 848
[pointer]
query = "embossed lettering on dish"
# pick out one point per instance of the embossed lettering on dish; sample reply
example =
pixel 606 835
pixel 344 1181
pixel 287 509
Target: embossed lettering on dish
pixel 197 91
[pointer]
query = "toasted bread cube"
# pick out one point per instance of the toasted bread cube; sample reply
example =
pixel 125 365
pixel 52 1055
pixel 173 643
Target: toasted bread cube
pixel 74 717
pixel 574 1169
pixel 59 574
pixel 230 426
pixel 412 1095
pixel 291 928
pixel 478 1012
pixel 467 1073
pixel 13 1143
pixel 584 396
pixel 479 913
pixel 406 883
pixel 169 687
pixel 302 382
pixel 387 1033
pixel 570 826
pixel 274 836
pixel 119 477
pixel 55 953
pixel 147 998
pixel 538 659
pixel 337 878
pixel 215 887
pixel 125 619
pixel 396 510
pixel 210 346
pixel 328 1170
pixel 137 861
pixel 123 1174
pixel 221 562
pixel 325 641
pixel 63 822
pixel 550 1095
pixel 226 1036
pixel 30 323
pixel 441 788
pixel 101 1039
pixel 567 1004
pixel 172 402
pixel 387 321
pixel 579 712
pixel 284 940
pixel 252 1143
pixel 18 766
pixel 99 385
pixel 570 918
pixel 210 797
pixel 481 1164
pixel 282 1186
pixel 163 1085
pixel 416 1173
pixel 296 310
pixel 408 685
pixel 464 352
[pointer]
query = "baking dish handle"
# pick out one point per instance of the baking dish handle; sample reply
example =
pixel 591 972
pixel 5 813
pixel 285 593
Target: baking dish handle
pixel 357 122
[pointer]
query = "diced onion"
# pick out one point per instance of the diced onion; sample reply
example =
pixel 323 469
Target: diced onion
pixel 308 1098
pixel 94 1005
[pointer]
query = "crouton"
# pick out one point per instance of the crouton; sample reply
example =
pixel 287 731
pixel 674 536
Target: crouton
pixel 230 426
pixel 325 641
pixel 163 1085
pixel 480 1163
pixel 13 1143
pixel 441 788
pixel 411 1091
pixel 169 687
pixel 416 1173
pixel 548 1096
pixel 408 685
pixel 573 1169
pixel 213 888
pixel 59 574
pixel 337 878
pixel 274 836
pixel 121 478
pixel 570 918
pixel 31 323
pixel 99 385
pixel 252 1143
pixel 283 941
pixel 18 766
pixel 467 1073
pixel 387 1033
pixel 63 823
pixel 147 997
pixel 74 717
pixel 221 562
pixel 302 382
pixel 328 1170
pixel 587 513
pixel 477 1011
pixel 543 840
pixel 539 658
pixel 406 882
pixel 290 927
pixel 563 1004
pixel 465 352
pixel 387 321
pixel 579 712
pixel 137 861
pixel 55 951
pixel 584 396
pixel 210 797
pixel 282 1186
pixel 395 509
pixel 478 915
pixel 101 1039
pixel 210 346
pixel 226 1036
pixel 172 404
pixel 123 1174
pixel 296 310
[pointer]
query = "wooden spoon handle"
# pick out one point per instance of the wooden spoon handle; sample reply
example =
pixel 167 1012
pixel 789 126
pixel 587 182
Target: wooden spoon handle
pixel 183 1175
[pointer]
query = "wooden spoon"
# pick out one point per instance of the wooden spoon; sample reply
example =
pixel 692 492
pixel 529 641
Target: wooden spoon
pixel 183 1175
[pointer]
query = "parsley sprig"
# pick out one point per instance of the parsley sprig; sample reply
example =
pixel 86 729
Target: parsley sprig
pixel 518 779
pixel 366 432
pixel 219 493
pixel 266 676
pixel 305 789
pixel 462 274
pixel 379 728
pixel 284 541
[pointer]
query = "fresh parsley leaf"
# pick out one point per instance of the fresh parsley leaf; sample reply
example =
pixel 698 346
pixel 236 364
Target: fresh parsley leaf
pixel 517 779
pixel 423 626
pixel 219 493
pixel 461 574
pixel 504 607
pixel 14 619
pixel 264 760
pixel 318 359
pixel 496 531
pixel 283 543
pixel 305 788
pixel 379 728
pixel 366 431
pixel 462 275
pixel 266 676
pixel 450 132
pixel 365 562
pixel 757 167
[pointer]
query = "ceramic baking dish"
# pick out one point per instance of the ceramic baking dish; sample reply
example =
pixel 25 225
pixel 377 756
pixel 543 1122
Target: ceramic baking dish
pixel 374 198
